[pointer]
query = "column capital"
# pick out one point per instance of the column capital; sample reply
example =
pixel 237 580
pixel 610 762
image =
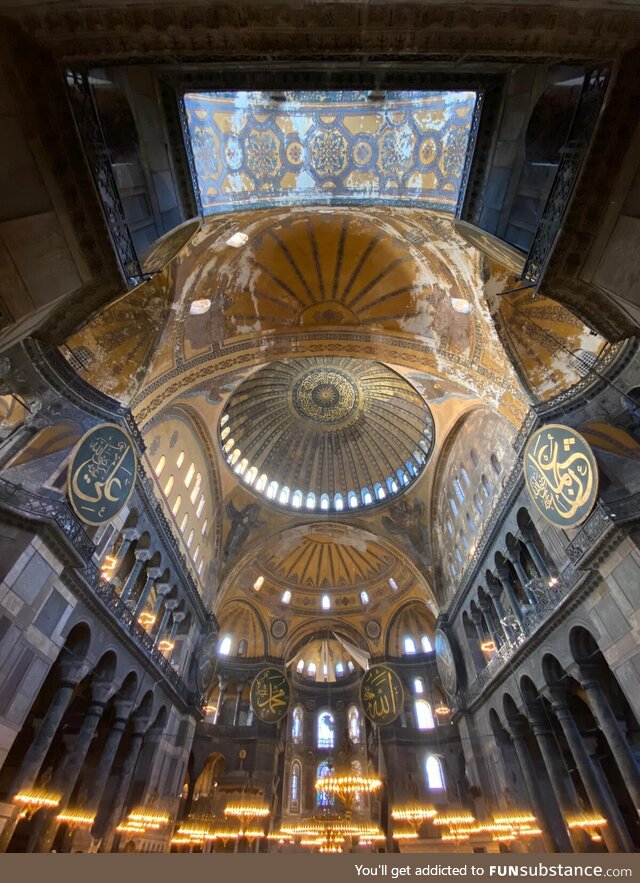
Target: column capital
pixel 171 604
pixel 476 616
pixel 179 616
pixel 130 533
pixel 558 696
pixel 101 691
pixel 494 589
pixel 143 554
pixel 163 588
pixel 154 572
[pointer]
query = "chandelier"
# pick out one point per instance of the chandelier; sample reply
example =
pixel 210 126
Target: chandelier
pixel 346 785
pixel 245 811
pixel 589 822
pixel 33 799
pixel 506 827
pixel 413 812
pixel 404 831
pixel 460 825
pixel 77 818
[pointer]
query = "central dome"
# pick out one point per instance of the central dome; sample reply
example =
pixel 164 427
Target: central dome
pixel 326 433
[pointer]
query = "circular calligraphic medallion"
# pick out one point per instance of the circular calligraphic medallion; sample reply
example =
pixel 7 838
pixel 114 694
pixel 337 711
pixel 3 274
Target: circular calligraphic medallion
pixel 561 473
pixel 381 695
pixel 206 663
pixel 278 628
pixel 325 395
pixel 446 663
pixel 270 695
pixel 102 474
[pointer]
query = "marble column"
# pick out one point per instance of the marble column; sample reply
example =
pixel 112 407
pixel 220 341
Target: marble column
pixel 615 834
pixel 558 776
pixel 162 590
pixel 106 829
pixel 142 556
pixel 517 730
pixel 240 688
pixel 66 775
pixel 524 578
pixel 528 538
pixel 477 620
pixel 37 751
pixel 501 614
pixel 497 633
pixel 178 617
pixel 507 584
pixel 222 693
pixel 122 708
pixel 612 730
pixel 169 607
pixel 152 575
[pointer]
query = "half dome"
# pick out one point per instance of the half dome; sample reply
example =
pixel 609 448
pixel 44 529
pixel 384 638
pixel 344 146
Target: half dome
pixel 328 434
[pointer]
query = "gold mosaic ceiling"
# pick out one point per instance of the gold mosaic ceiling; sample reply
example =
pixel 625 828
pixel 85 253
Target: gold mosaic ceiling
pixel 329 434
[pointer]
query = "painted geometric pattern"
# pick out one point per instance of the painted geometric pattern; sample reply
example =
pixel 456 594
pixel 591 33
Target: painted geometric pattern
pixel 328 147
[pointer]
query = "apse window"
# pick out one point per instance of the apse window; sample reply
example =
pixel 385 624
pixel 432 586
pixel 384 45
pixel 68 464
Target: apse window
pixel 424 715
pixel 409 646
pixel 225 646
pixel 326 602
pixel 286 597
pixel 326 730
pixel 434 773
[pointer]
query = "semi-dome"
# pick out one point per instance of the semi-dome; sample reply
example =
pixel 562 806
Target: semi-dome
pixel 326 433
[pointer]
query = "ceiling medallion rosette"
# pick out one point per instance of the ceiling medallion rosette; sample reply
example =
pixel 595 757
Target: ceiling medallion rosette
pixel 326 434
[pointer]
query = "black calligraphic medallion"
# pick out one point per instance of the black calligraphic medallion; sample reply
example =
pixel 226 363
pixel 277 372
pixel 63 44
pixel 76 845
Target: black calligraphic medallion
pixel 207 663
pixel 561 473
pixel 270 695
pixel 102 474
pixel 381 695
pixel 445 663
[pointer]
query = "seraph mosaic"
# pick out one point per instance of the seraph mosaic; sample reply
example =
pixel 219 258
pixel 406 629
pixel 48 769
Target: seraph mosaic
pixel 307 147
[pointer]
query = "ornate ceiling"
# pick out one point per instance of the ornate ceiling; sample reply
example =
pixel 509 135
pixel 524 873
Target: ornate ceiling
pixel 256 149
pixel 286 332
pixel 327 434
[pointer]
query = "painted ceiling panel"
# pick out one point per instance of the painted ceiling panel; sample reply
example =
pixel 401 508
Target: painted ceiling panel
pixel 320 147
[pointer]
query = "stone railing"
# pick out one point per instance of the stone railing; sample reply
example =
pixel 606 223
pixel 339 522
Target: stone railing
pixel 33 507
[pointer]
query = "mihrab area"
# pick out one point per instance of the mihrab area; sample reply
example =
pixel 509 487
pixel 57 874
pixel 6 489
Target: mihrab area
pixel 320 428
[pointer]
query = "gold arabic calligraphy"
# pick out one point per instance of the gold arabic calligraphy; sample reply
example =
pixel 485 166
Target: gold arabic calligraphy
pixel 380 695
pixel 102 474
pixel 270 695
pixel 560 474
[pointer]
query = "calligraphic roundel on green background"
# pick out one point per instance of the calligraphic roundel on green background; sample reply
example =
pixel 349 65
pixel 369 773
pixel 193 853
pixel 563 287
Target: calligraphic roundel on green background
pixel 381 695
pixel 102 473
pixel 270 695
pixel 561 473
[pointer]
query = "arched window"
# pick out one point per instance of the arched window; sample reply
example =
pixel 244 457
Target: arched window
pixel 353 500
pixel 225 646
pixel 403 478
pixel 424 715
pixel 338 502
pixel 311 669
pixel 286 597
pixel 262 483
pixel 470 525
pixel 201 503
pixel 392 485
pixel 190 472
pixel 452 504
pixel 284 495
pixel 495 464
pixel 162 462
pixel 408 645
pixel 326 602
pixel 353 724
pixel 366 497
pixel 250 477
pixel 227 446
pixel 350 665
pixel 356 768
pixel 168 486
pixel 339 669
pixel 418 686
pixel 410 467
pixel 183 523
pixel 180 460
pixel 235 456
pixel 272 490
pixel 326 730
pixel 296 499
pixel 458 489
pixel 434 773
pixel 465 476
pixel 196 554
pixel 478 503
pixel 487 487
pixel 296 721
pixel 474 458
pixel 324 501
pixel 311 500
pixel 200 566
pixel 452 568
pixel 204 527
pixel 258 584
pixel 323 798
pixel 300 666
pixel 449 527
pixel 426 645
pixel 196 488
pixel 243 646
pixel 176 506
pixel 393 585
pixel 465 543
pixel 242 465
pixel 458 557
pixel 190 540
pixel 294 787
pixel 364 597
pixel 379 491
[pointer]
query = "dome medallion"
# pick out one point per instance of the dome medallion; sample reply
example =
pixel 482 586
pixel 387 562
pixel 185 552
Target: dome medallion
pixel 328 434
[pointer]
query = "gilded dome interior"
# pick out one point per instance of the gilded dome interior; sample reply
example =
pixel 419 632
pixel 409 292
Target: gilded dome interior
pixel 326 433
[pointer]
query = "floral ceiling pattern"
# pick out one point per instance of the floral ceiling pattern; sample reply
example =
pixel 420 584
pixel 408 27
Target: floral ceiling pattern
pixel 262 150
